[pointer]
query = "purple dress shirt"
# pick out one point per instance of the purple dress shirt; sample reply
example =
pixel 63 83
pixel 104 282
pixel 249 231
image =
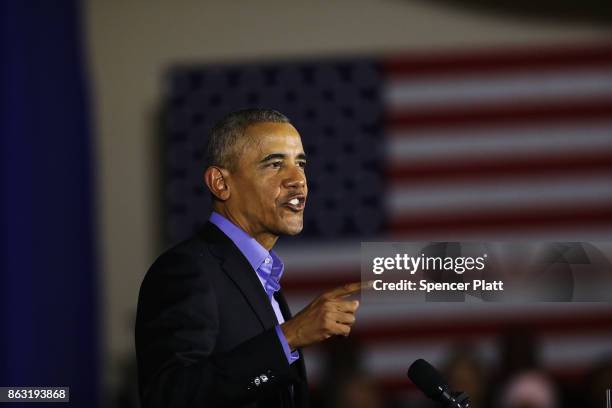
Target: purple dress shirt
pixel 267 265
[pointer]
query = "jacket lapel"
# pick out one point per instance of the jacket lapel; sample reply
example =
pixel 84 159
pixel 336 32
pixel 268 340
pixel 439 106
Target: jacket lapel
pixel 236 266
pixel 282 303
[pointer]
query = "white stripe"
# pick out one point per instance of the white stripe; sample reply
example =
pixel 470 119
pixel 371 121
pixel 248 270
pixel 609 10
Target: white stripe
pixel 431 147
pixel 449 198
pixel 317 256
pixel 577 350
pixel 420 94
pixel 322 260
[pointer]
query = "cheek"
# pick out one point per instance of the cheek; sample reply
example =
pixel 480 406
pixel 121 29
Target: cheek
pixel 269 193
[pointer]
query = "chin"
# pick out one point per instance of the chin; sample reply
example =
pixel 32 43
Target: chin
pixel 295 231
pixel 292 227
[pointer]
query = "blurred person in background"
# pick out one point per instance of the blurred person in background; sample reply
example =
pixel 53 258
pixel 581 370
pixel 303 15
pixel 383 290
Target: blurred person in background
pixel 345 383
pixel 529 390
pixel 519 352
pixel 465 372
pixel 522 383
pixel 358 391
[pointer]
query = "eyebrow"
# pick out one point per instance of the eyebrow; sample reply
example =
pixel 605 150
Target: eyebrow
pixel 273 156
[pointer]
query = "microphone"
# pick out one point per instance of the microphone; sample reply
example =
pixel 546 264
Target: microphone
pixel 433 385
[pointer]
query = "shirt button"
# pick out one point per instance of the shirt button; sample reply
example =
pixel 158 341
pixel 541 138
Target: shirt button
pixel 267 260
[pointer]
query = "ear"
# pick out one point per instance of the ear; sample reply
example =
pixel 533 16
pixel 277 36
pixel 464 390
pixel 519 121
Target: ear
pixel 216 181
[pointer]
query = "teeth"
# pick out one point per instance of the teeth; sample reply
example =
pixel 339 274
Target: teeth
pixel 295 201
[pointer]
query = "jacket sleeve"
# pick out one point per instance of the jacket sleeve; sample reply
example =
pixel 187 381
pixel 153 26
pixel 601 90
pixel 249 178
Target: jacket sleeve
pixel 176 329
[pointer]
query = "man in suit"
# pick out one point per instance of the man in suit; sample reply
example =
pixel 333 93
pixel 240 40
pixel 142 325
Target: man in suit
pixel 213 328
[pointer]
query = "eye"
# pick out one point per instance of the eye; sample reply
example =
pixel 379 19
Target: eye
pixel 302 164
pixel 276 164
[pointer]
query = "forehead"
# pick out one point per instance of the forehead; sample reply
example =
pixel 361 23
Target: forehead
pixel 268 137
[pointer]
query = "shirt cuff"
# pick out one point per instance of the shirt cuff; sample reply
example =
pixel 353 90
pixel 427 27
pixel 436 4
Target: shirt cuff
pixel 292 356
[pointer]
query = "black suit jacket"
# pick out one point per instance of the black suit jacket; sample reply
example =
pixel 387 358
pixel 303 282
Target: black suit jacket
pixel 205 332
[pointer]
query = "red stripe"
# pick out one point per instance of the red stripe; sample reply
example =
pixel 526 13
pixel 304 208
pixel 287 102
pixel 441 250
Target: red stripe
pixel 295 282
pixel 517 220
pixel 498 60
pixel 518 113
pixel 539 324
pixel 560 165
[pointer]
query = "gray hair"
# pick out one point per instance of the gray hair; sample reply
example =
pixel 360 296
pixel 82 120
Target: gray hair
pixel 224 137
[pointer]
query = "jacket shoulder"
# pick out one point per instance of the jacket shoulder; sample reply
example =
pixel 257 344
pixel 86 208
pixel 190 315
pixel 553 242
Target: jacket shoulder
pixel 196 253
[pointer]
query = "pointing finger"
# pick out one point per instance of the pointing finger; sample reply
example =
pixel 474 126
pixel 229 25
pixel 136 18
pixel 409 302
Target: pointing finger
pixel 344 290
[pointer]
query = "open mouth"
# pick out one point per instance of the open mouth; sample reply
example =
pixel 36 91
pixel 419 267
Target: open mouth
pixel 296 203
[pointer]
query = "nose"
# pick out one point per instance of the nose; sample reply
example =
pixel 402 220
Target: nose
pixel 295 178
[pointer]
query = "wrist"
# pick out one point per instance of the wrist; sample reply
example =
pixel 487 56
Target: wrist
pixel 289 334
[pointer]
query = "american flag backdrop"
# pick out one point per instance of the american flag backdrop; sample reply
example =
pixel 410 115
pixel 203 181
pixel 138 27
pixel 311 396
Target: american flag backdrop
pixel 492 144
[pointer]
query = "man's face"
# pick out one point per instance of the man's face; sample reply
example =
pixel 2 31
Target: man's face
pixel 268 185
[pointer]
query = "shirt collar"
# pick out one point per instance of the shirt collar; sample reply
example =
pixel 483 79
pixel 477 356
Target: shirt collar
pixel 252 250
